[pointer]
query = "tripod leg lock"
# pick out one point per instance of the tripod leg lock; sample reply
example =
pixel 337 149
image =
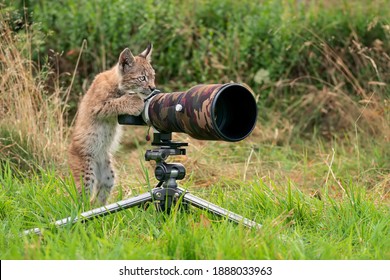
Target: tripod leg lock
pixel 165 198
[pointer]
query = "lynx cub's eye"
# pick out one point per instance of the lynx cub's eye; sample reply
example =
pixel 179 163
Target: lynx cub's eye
pixel 142 78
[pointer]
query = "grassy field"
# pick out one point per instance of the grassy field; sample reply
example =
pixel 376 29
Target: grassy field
pixel 314 203
pixel 315 172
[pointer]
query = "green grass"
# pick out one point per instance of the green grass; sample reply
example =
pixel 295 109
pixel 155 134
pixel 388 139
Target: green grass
pixel 297 224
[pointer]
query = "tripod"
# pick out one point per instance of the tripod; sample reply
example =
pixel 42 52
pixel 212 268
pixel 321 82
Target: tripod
pixel 165 195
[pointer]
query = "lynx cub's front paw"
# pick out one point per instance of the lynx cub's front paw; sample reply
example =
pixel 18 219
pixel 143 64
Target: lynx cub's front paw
pixel 135 104
pixel 130 104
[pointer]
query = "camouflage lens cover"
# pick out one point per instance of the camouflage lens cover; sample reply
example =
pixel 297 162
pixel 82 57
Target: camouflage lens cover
pixel 207 112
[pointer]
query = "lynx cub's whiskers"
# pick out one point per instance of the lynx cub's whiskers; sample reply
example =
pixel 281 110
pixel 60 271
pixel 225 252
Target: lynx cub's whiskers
pixel 120 90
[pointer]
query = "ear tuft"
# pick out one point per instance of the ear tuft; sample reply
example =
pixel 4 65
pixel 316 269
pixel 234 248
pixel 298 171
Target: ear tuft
pixel 126 59
pixel 147 53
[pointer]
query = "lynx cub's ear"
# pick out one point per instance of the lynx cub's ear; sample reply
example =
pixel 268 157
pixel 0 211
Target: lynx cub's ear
pixel 147 53
pixel 126 59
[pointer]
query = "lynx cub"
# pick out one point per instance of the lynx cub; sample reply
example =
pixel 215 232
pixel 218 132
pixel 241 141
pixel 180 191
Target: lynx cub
pixel 120 90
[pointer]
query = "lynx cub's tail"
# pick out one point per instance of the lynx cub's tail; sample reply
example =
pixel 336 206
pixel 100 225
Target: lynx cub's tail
pixel 120 90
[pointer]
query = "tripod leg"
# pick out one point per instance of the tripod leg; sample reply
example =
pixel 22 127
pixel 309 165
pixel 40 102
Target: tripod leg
pixel 205 205
pixel 101 211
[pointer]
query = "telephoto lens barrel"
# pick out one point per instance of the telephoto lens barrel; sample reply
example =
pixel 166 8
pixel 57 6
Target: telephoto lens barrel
pixel 225 112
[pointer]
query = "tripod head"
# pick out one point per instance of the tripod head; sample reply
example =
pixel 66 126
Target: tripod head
pixel 167 147
pixel 166 191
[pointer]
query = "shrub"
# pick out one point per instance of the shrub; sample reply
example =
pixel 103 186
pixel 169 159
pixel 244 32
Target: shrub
pixel 32 127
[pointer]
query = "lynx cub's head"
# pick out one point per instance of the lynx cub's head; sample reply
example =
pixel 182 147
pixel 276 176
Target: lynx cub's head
pixel 136 73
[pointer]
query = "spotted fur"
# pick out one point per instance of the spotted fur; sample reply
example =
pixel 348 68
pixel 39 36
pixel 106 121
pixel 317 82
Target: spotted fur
pixel 96 133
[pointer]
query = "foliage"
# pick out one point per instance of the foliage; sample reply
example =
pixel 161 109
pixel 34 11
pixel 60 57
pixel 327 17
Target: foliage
pixel 32 123
pixel 202 41
pixel 288 51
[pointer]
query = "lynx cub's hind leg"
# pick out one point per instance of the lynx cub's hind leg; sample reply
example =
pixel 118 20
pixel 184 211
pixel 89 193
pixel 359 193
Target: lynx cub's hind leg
pixel 89 177
pixel 105 181
pixel 83 171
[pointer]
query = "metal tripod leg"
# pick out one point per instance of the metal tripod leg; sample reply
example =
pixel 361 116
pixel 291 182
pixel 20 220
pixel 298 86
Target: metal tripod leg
pixel 102 211
pixel 215 209
pixel 149 197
